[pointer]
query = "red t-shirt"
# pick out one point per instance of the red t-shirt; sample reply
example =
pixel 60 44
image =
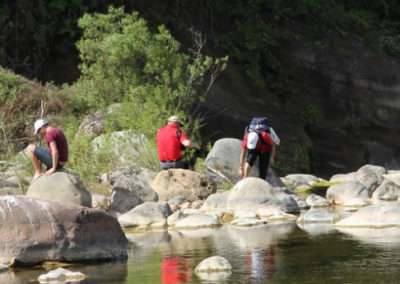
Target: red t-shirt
pixel 168 143
pixel 56 135
pixel 263 148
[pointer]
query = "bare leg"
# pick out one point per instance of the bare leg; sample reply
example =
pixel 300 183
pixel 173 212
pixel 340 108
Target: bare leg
pixel 37 164
pixel 247 169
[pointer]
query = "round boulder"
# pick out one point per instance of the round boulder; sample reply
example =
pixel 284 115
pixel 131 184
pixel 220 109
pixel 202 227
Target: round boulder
pixel 192 185
pixel 254 193
pixel 61 186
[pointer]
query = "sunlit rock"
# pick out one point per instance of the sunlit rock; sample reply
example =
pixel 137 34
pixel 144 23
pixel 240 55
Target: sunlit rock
pixel 248 222
pixel 62 186
pixel 318 215
pixel 379 215
pixel 342 192
pixel 254 193
pixel 61 275
pixel 315 201
pixel 148 214
pixel 178 182
pixel 197 221
pixel 214 268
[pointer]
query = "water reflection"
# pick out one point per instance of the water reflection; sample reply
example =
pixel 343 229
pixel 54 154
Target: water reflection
pixel 380 237
pixel 276 253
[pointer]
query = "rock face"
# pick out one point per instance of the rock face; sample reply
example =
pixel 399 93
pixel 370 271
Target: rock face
pixel 61 186
pixel 192 185
pixel 254 193
pixel 33 231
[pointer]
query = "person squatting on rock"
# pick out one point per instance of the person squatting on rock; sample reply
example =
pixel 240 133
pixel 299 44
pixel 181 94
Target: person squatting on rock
pixel 55 156
pixel 257 144
pixel 170 143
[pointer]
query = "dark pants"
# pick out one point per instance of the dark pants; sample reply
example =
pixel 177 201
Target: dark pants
pixel 263 161
pixel 177 164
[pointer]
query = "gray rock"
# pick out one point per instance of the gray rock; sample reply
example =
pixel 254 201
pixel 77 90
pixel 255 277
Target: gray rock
pixel 383 214
pixel 318 216
pixel 176 201
pixel 342 192
pixel 254 193
pixel 61 186
pixel 123 200
pixel 197 221
pixel 178 182
pixel 148 214
pixel 216 202
pixel 314 200
pixel 33 231
pixel 387 191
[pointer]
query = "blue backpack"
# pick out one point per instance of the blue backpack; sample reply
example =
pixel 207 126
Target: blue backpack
pixel 259 124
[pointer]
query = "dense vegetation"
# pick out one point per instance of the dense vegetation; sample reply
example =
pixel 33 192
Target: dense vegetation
pixel 158 66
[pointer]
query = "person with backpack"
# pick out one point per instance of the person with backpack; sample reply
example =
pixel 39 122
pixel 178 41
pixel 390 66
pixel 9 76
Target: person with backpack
pixel 170 143
pixel 257 143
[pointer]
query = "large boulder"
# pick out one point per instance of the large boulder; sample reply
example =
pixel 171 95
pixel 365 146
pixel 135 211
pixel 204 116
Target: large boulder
pixel 173 182
pixel 33 231
pixel 93 124
pixel 224 159
pixel 124 146
pixel 61 186
pixel 254 193
pixel 130 188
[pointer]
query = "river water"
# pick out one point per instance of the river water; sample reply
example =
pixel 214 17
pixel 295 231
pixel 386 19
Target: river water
pixel 272 253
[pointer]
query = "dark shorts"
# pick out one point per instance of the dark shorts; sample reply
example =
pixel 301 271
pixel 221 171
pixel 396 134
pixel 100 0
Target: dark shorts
pixel 178 164
pixel 263 161
pixel 45 157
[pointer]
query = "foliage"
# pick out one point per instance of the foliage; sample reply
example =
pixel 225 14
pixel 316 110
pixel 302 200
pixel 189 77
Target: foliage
pixel 292 157
pixel 123 61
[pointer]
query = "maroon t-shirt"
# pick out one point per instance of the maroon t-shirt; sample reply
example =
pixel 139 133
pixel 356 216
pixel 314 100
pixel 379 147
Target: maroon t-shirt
pixel 56 135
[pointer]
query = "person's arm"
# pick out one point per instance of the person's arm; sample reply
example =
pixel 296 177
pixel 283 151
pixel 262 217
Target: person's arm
pixel 272 156
pixel 188 144
pixel 241 162
pixel 54 155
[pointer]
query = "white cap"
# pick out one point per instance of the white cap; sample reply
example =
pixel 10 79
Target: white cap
pixel 174 119
pixel 252 140
pixel 38 124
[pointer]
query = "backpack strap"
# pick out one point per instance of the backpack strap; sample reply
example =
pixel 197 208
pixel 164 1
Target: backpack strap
pixel 259 133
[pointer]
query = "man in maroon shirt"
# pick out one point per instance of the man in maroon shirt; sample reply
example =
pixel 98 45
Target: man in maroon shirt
pixel 55 156
pixel 169 143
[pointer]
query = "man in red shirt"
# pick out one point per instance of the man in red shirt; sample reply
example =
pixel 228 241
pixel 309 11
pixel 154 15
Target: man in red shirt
pixel 56 153
pixel 170 140
pixel 257 144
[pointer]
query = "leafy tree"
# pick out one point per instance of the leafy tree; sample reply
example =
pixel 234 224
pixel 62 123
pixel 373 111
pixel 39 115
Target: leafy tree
pixel 123 61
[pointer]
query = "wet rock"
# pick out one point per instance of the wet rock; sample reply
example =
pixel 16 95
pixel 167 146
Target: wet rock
pixel 33 231
pixel 197 221
pixel 214 264
pixel 178 182
pixel 61 275
pixel 248 222
pixel 61 186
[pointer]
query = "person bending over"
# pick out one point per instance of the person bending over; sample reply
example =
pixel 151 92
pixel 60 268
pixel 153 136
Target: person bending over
pixel 170 143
